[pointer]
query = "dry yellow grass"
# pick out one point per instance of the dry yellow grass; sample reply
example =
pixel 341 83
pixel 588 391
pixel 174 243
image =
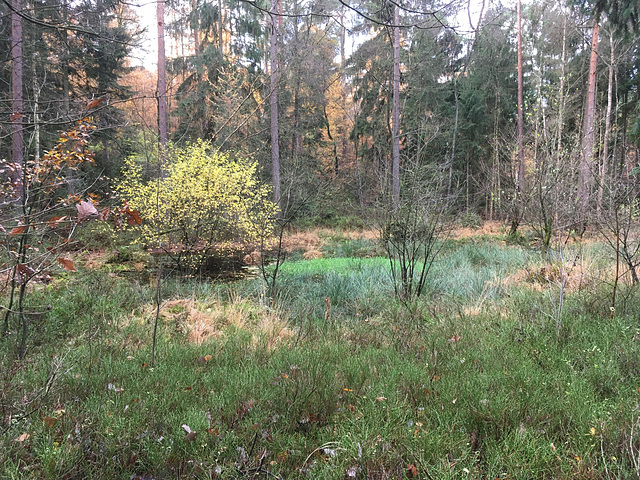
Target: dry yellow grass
pixel 205 322
pixel 313 240
pixel 487 228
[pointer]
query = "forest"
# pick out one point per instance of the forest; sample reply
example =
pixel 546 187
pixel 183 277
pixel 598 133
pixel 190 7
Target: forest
pixel 329 239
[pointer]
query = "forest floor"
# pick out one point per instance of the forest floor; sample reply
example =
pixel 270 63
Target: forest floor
pixel 512 366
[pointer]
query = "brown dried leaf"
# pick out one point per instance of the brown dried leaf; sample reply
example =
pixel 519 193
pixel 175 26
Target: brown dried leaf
pixel 24 271
pixel 95 103
pixel 55 221
pixel 86 209
pixel 104 214
pixel 133 217
pixel 67 264
pixel 17 230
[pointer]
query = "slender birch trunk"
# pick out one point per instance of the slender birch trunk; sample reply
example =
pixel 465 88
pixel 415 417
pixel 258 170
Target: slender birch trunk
pixel 17 139
pixel 275 136
pixel 395 133
pixel 162 81
pixel 607 126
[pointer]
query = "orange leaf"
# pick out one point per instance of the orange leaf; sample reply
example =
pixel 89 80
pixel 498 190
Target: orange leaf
pixel 412 471
pixel 133 217
pixel 54 221
pixel 95 103
pixel 454 339
pixel 67 264
pixel 208 357
pixel 213 431
pixel 435 377
pixel 17 230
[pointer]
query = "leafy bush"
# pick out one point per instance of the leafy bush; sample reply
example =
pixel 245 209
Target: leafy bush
pixel 204 204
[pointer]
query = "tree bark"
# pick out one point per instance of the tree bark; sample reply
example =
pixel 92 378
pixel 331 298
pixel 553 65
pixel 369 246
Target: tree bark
pixel 395 132
pixel 585 177
pixel 195 27
pixel 607 125
pixel 275 136
pixel 518 201
pixel 220 29
pixel 17 140
pixel 162 81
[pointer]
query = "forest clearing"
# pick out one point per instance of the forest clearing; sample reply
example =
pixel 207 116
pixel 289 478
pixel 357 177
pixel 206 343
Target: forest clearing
pixel 505 369
pixel 320 239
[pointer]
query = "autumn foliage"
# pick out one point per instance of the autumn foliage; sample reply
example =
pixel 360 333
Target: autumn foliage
pixel 205 203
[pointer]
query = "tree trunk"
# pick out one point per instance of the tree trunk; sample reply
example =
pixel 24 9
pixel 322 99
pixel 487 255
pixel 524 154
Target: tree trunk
pixel 36 106
pixel 220 29
pixel 455 133
pixel 395 133
pixel 607 126
pixel 562 81
pixel 162 81
pixel 275 136
pixel 343 130
pixel 585 176
pixel 195 26
pixel 17 140
pixel 520 186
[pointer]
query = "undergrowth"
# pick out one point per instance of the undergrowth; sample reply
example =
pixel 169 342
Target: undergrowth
pixel 335 379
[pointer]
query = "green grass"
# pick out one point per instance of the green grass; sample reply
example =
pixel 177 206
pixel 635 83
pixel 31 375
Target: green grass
pixel 474 381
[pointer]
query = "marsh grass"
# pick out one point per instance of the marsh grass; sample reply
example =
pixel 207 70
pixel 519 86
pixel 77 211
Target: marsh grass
pixel 473 382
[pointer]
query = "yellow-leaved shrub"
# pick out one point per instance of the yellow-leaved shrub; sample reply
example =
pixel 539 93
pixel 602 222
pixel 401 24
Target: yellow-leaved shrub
pixel 204 204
